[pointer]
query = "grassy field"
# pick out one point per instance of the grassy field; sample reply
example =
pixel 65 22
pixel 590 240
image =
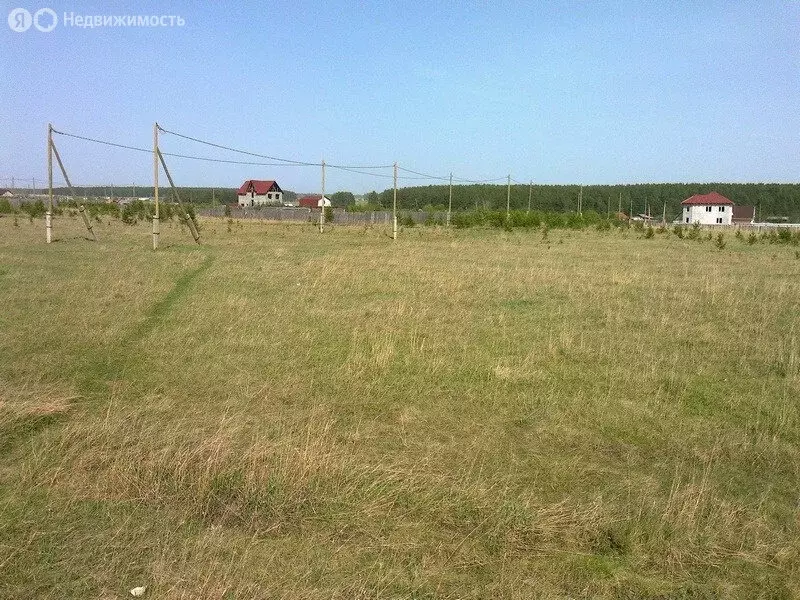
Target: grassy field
pixel 458 414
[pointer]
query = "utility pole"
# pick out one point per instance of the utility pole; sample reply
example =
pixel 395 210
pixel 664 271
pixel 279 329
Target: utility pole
pixel 322 200
pixel 580 201
pixel 619 207
pixel 530 195
pixel 394 205
pixel 33 185
pixel 664 215
pixel 156 228
pixel 450 201
pixel 48 217
pixel 13 183
pixel 134 189
pixel 508 198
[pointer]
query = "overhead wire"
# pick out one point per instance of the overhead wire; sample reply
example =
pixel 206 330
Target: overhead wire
pixel 358 169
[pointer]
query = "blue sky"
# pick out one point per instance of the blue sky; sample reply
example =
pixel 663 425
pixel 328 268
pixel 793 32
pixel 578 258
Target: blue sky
pixel 556 92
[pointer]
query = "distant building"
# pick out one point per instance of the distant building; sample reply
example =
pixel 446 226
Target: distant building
pixel 254 192
pixel 313 201
pixel 707 209
pixel 6 194
pixel 744 215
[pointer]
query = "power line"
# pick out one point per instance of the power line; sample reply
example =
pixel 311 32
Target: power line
pixel 423 175
pixel 207 143
pixel 283 162
pixel 173 154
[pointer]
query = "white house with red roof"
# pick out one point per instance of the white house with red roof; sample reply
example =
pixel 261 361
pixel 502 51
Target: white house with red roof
pixel 255 192
pixel 707 209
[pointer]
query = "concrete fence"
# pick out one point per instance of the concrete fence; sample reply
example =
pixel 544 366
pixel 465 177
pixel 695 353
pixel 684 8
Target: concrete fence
pixel 340 216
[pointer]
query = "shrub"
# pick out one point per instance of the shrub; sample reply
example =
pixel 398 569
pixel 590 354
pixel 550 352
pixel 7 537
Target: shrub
pixel 228 210
pixel 752 238
pixel 648 232
pixel 678 230
pixel 5 206
pixel 694 232
pixel 720 241
pixel 34 210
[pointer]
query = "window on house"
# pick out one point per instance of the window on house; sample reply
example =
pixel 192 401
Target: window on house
pixel 719 219
pixel 687 219
pixel 708 209
pixel 721 209
pixel 686 209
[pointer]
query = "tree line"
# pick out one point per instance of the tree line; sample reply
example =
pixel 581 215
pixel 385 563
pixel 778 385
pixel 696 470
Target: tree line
pixel 769 199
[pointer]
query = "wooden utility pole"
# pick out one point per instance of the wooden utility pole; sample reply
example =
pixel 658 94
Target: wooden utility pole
pixel 508 198
pixel 394 205
pixel 322 201
pixel 619 207
pixel 156 224
pixel 48 217
pixel 530 195
pixel 450 201
pixel 664 215
pixel 580 201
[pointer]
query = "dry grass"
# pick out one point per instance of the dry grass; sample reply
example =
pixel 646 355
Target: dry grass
pixel 456 415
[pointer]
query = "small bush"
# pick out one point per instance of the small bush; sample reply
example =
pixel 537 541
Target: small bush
pixel 694 232
pixel 228 210
pixel 34 210
pixel 752 238
pixel 720 241
pixel 649 232
pixel 5 206
pixel 328 214
pixel 678 231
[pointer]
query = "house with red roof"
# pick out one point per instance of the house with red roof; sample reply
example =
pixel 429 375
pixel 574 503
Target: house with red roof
pixel 707 209
pixel 256 192
pixel 314 201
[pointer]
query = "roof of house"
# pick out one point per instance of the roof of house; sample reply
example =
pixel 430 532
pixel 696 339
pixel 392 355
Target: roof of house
pixel 259 187
pixel 744 213
pixel 312 200
pixel 711 198
pixel 6 193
